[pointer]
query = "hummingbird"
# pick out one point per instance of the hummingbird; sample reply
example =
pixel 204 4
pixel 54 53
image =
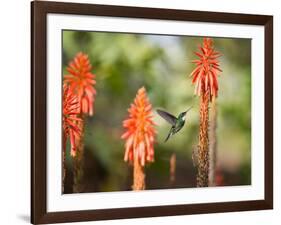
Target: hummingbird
pixel 176 122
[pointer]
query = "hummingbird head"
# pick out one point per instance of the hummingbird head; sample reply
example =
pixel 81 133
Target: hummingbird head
pixel 183 114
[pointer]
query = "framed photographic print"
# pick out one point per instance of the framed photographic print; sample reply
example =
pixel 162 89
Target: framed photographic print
pixel 142 112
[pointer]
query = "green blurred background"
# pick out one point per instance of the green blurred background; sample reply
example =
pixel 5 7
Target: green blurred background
pixel 125 62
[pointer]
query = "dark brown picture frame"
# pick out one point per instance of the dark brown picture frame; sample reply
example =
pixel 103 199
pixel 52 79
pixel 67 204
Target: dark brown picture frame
pixel 39 11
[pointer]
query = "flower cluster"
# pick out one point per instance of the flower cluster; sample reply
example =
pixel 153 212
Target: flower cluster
pixel 78 98
pixel 140 132
pixel 81 82
pixel 71 122
pixel 207 69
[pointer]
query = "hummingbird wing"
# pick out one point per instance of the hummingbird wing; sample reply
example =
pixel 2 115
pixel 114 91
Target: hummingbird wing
pixel 167 116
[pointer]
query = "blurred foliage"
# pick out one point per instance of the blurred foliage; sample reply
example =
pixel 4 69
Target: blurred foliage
pixel 125 62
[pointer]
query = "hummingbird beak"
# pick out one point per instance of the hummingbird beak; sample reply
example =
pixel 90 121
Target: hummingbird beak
pixel 188 109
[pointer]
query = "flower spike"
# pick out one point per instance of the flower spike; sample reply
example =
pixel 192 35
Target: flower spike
pixel 140 132
pixel 81 82
pixel 207 69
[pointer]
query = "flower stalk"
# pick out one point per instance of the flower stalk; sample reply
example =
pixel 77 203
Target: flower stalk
pixel 203 150
pixel 78 162
pixel 139 176
pixel 173 164
pixel 204 76
pixel 71 125
pixel 63 161
pixel 140 137
pixel 80 84
pixel 213 144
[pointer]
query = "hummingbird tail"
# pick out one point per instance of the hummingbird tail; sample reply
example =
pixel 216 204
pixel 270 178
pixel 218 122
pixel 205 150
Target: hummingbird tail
pixel 167 138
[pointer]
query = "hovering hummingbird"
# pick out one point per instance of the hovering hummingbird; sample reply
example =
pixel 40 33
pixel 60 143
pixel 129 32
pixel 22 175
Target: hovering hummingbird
pixel 176 122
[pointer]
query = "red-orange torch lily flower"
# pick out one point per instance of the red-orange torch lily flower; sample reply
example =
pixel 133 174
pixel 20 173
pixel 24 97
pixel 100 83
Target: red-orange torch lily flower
pixel 81 82
pixel 140 134
pixel 71 121
pixel 207 69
